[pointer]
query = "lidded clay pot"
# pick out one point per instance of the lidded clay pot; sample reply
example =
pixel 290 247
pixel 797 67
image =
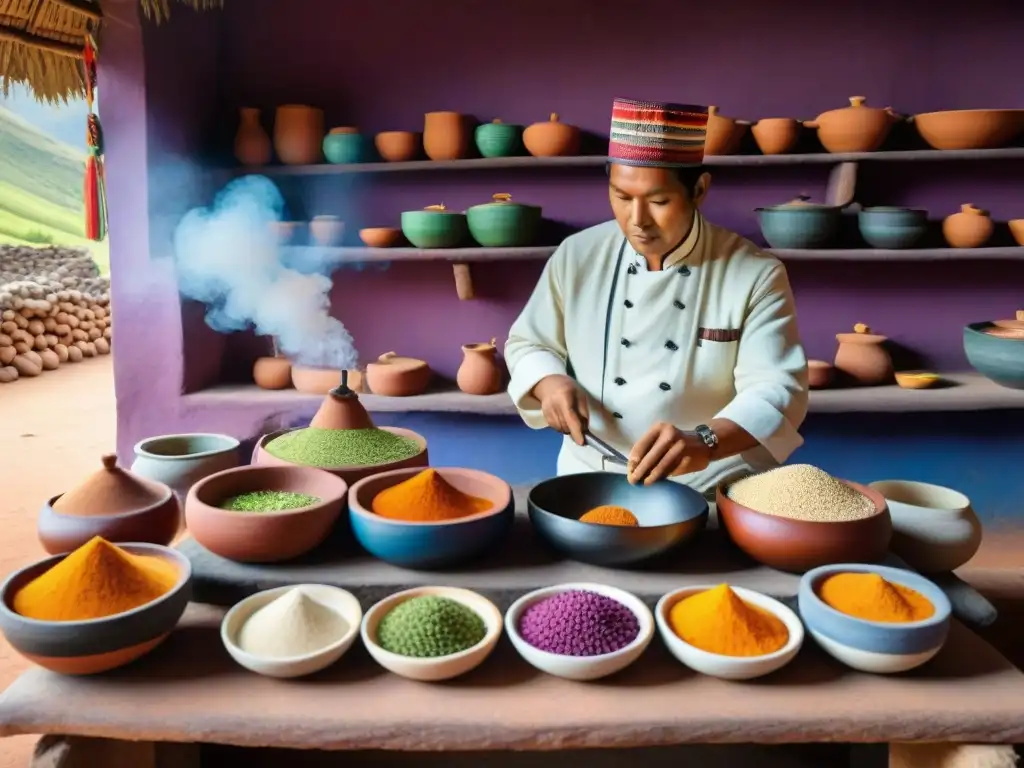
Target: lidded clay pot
pixel 445 135
pixel 971 228
pixel 1008 329
pixel 855 128
pixel 480 373
pixel 272 372
pixel 552 139
pixel 110 491
pixel 252 143
pixel 298 134
pixel 724 133
pixel 395 376
pixel 776 135
pixel 863 358
pixel 341 409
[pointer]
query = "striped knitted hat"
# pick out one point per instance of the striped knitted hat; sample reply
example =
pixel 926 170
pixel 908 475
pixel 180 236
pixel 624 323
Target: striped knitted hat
pixel 657 134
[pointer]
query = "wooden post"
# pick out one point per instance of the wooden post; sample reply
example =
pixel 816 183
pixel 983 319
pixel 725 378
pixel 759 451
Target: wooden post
pixel 463 281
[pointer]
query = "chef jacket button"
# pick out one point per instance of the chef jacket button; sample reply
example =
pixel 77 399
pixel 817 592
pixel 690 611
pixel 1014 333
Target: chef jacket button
pixel 628 303
pixel 632 269
pixel 664 387
pixel 684 271
pixel 620 381
pixel 678 304
pixel 671 345
pixel 625 342
pixel 617 415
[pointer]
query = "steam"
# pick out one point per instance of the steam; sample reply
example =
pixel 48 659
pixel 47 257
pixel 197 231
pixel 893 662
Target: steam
pixel 228 258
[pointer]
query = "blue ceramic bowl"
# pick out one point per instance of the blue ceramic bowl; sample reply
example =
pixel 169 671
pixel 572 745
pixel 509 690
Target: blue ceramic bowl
pixel 892 228
pixel 873 646
pixel 1001 360
pixel 431 545
pixel 345 147
pixel 799 226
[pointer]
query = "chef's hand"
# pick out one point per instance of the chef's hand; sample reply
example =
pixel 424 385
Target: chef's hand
pixel 665 451
pixel 564 405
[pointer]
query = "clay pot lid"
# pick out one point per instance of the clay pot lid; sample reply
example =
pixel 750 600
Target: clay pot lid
pixel 399 363
pixel 857 103
pixel 111 491
pixel 481 346
pixel 441 209
pixel 344 129
pixel 972 210
pixel 799 203
pixel 1012 325
pixel 861 335
pixel 341 409
pixel 553 119
pixel 819 364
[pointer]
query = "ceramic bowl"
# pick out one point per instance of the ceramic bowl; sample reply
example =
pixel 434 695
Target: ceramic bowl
pixel 288 232
pixel 892 228
pixel 96 645
pixel 344 146
pixel 970 128
pixel 498 139
pixel 799 226
pixel 435 229
pixel 917 379
pixel 181 461
pixel 1017 230
pixel 156 524
pixel 398 146
pixel 776 135
pixel 504 224
pixel 581 667
pixel 1000 360
pixel 730 667
pixel 339 600
pixel 934 529
pixel 380 237
pixel 349 473
pixel 326 231
pixel 264 537
pixel 430 545
pixel 315 381
pixel 800 545
pixel 432 670
pixel 871 646
pixel 820 373
pixel 670 514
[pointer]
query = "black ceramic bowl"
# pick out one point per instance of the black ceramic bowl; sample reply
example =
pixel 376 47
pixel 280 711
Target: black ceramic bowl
pixel 669 513
pixel 95 645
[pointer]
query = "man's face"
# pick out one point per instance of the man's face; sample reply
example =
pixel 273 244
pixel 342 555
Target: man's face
pixel 653 208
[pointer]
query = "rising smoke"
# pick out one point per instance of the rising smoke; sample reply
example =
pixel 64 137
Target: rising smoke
pixel 228 258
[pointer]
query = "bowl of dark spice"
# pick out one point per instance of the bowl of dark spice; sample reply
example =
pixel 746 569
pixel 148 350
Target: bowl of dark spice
pixel 430 518
pixel 579 631
pixel 432 633
pixel 264 514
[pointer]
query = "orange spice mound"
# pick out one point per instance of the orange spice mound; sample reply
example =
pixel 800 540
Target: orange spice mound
pixel 870 597
pixel 720 621
pixel 609 514
pixel 426 497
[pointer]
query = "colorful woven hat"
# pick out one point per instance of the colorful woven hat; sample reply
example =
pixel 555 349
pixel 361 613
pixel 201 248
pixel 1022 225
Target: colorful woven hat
pixel 657 134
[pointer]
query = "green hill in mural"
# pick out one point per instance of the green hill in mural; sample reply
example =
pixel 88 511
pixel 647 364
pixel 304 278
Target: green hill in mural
pixel 41 189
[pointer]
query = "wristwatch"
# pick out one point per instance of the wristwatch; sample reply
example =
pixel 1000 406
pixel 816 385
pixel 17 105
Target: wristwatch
pixel 707 436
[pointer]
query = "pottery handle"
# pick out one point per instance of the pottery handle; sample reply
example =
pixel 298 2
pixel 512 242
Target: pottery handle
pixel 494 339
pixel 386 356
pixel 109 460
pixel 553 118
pixel 858 101
pixel 712 111
pixel 812 124
pixel 1020 315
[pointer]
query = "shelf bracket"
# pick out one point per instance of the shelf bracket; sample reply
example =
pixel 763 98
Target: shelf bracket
pixel 463 281
pixel 842 185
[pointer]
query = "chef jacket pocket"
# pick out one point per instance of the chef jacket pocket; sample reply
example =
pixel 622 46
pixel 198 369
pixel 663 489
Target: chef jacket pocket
pixel 715 358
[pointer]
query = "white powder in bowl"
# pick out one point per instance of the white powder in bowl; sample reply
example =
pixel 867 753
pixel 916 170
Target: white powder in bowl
pixel 802 492
pixel 295 624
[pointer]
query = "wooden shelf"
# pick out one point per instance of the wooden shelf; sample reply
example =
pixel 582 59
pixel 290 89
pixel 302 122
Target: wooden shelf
pixel 967 392
pixel 905 254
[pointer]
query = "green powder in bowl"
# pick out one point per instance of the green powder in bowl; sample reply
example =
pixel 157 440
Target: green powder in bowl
pixel 268 501
pixel 429 626
pixel 315 447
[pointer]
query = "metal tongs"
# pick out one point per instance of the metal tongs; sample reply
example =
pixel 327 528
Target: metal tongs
pixel 602 447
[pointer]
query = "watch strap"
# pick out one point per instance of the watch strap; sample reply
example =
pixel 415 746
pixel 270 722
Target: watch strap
pixel 707 436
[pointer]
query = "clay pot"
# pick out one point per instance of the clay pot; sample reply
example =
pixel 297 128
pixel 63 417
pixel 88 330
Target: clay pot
pixel 380 237
pixel 320 381
pixel 776 135
pixel 445 136
pixel 970 128
pixel 855 128
pixel 252 143
pixel 1016 324
pixel 180 461
pixel 971 228
pixel 272 373
pixel 863 358
pixel 341 409
pixel 395 376
pixel 1017 230
pixel 819 374
pixel 326 231
pixel 397 146
pixel 287 232
pixel 298 134
pixel 724 134
pixel 552 139
pixel 479 373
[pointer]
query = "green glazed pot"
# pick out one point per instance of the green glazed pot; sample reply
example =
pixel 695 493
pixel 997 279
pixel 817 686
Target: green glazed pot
pixel 434 227
pixel 504 224
pixel 497 139
pixel 344 146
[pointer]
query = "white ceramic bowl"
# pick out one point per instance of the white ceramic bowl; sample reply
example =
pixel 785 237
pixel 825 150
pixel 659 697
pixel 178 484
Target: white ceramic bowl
pixel 432 670
pixel 335 598
pixel 730 667
pixel 581 667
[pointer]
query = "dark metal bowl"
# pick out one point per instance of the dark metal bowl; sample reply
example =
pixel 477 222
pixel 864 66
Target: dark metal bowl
pixel 669 513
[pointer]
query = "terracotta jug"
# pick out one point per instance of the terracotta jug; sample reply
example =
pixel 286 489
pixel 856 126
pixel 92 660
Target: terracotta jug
pixel 552 138
pixel 863 358
pixel 480 373
pixel 971 228
pixel 445 136
pixel 298 134
pixel 252 144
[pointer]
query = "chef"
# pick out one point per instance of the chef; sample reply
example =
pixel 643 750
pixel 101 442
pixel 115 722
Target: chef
pixel 669 338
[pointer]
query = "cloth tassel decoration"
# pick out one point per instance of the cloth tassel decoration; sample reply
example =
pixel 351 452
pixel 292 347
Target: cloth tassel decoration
pixel 95 187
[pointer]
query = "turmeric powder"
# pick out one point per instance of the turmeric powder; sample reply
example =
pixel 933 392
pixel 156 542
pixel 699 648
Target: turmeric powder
pixel 720 621
pixel 870 597
pixel 97 580
pixel 609 514
pixel 426 497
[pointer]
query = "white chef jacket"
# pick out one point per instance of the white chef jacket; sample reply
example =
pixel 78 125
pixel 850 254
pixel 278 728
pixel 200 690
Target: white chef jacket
pixel 712 335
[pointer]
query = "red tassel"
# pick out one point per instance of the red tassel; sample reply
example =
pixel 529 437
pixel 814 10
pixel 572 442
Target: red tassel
pixel 93 226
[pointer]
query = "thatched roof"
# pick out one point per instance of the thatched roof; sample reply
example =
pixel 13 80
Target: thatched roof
pixel 41 42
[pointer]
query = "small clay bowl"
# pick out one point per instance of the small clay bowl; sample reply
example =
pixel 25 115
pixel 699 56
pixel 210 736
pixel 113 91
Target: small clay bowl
pixel 872 646
pixel 339 600
pixel 820 374
pixel 398 146
pixel 380 237
pixel 730 667
pixel 95 645
pixel 917 379
pixel 315 381
pixel 429 545
pixel 350 473
pixel 287 232
pixel 264 537
pixel 1017 230
pixel 581 667
pixel 432 670
pixel 796 546
pixel 670 514
pixel 155 524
